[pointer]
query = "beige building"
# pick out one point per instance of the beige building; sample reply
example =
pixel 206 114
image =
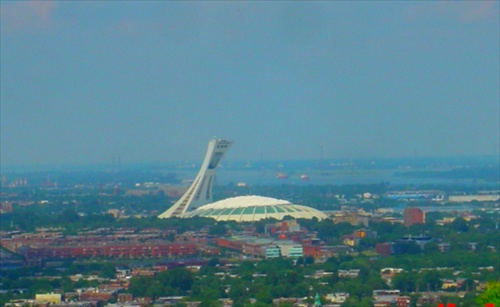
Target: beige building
pixel 476 197
pixel 53 298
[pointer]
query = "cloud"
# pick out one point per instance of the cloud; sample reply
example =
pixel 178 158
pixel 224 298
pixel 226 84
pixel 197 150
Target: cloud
pixel 26 15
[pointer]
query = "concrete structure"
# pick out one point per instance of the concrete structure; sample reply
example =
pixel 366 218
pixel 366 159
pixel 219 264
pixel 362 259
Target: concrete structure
pixel 254 208
pixel 200 191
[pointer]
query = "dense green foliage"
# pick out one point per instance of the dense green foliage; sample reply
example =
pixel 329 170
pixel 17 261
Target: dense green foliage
pixel 491 295
pixel 172 282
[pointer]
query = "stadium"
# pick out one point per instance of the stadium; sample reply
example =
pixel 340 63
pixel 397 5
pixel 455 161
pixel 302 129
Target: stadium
pixel 254 208
pixel 197 200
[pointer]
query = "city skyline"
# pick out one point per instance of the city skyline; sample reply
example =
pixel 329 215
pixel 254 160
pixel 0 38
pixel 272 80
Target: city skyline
pixel 83 82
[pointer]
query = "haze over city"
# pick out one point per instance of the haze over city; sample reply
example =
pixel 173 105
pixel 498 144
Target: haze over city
pixel 82 82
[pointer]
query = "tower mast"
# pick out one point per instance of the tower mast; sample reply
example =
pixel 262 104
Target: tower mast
pixel 200 191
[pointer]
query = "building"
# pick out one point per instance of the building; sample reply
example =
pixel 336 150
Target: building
pixel 475 197
pixel 291 250
pixel 197 201
pixel 353 273
pixel 413 216
pixel 5 207
pixel 247 245
pixel 337 297
pixel 420 240
pixel 129 251
pixel 314 251
pixel 389 298
pixel 52 298
pixel 282 227
pixel 402 301
pixel 254 208
pixel 384 249
pixel 262 247
pixel 200 191
pixel 354 238
pixel 271 252
pixel 444 247
pixel 353 218
pixel 410 244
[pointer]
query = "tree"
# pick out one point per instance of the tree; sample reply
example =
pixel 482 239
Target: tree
pixel 491 295
pixel 108 270
pixel 139 285
pixel 69 215
pixel 411 248
pixel 238 291
pixel 459 225
pixel 366 243
pixel 178 278
pixel 308 260
pixel 353 301
pixel 210 303
pixel 301 290
pixel 218 229
pixel 404 281
pixel 213 262
pixel 155 290
pixel 264 296
pixel 292 277
pixel 429 279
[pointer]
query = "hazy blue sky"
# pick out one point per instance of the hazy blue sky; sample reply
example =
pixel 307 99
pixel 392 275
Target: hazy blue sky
pixel 82 82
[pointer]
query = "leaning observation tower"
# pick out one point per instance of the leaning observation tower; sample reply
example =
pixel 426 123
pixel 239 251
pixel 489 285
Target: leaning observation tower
pixel 200 191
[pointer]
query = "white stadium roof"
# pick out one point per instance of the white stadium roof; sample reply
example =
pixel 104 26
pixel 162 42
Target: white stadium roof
pixel 254 208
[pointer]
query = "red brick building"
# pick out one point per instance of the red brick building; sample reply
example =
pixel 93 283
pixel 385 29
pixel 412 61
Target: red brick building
pixel 312 251
pixel 383 249
pixel 114 251
pixel 402 301
pixel 413 216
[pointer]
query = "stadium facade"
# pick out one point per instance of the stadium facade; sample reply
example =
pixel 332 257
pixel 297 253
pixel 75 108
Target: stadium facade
pixel 254 208
pixel 197 201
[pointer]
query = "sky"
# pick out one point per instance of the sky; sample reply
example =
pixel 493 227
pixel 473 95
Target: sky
pixel 86 82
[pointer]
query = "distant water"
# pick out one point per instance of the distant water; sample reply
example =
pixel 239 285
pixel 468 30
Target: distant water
pixel 334 172
pixel 458 208
pixel 314 177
